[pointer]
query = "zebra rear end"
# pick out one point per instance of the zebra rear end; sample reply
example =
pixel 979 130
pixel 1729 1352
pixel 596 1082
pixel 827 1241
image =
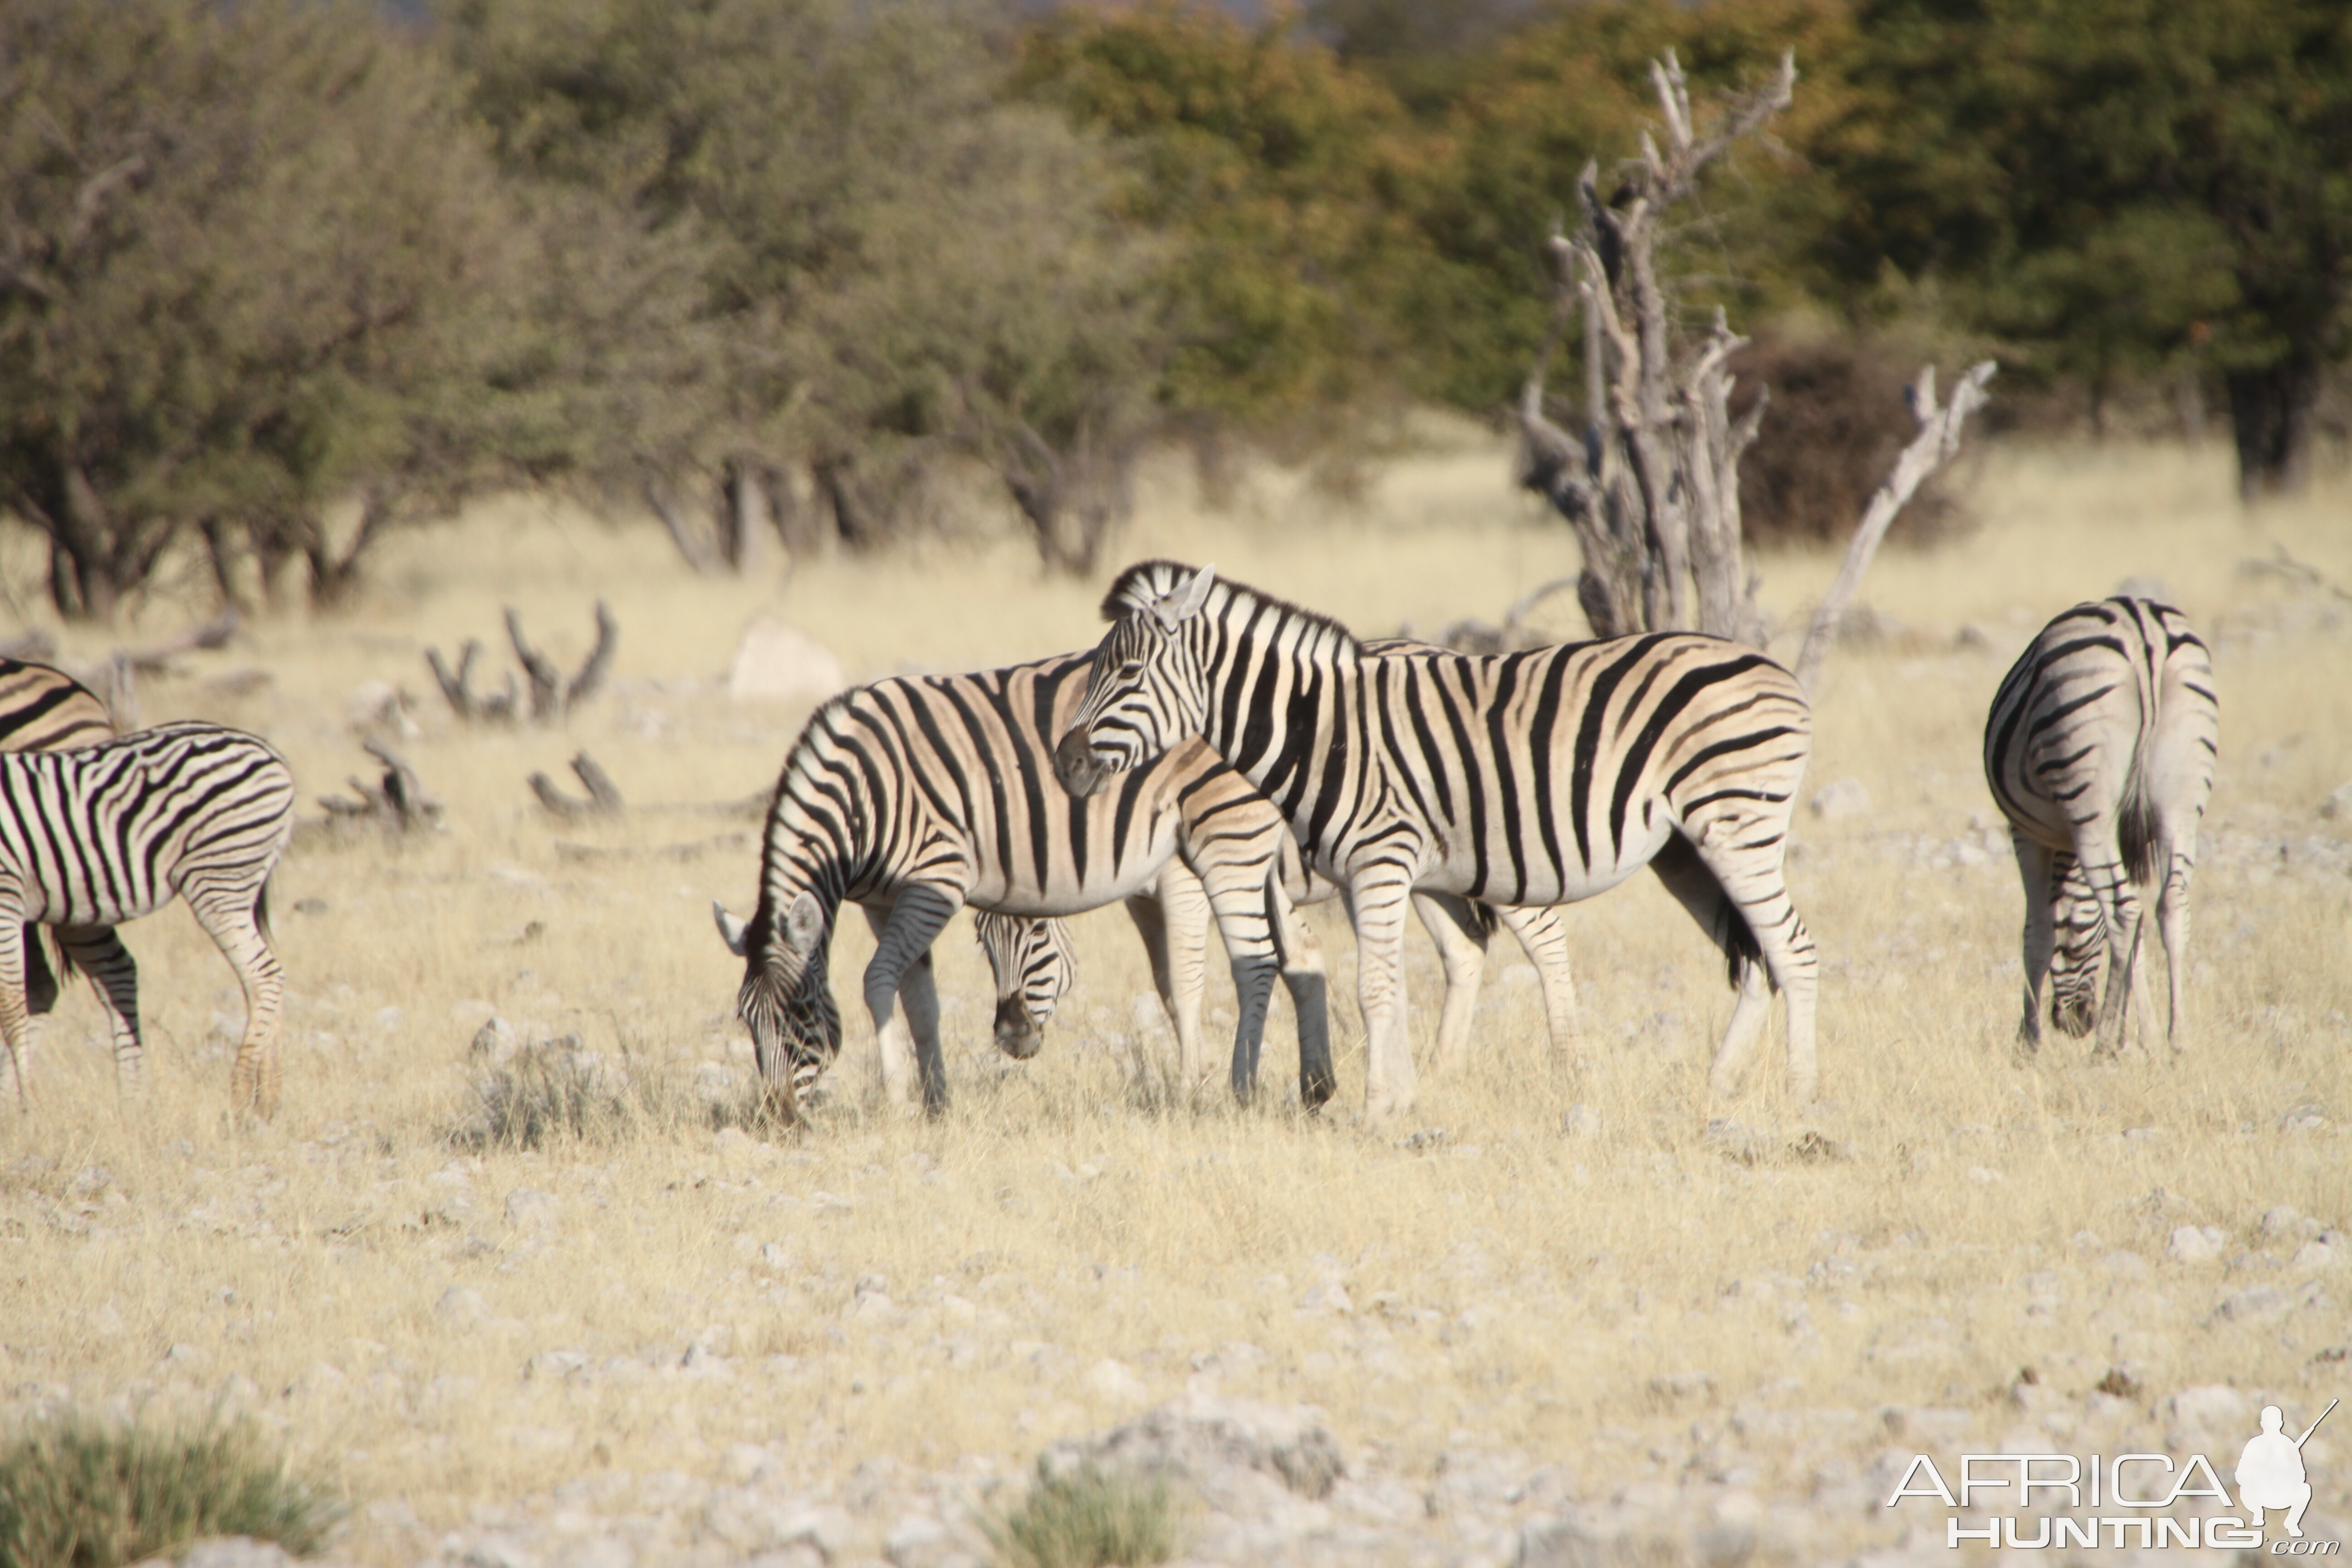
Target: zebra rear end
pixel 2100 749
pixel 93 837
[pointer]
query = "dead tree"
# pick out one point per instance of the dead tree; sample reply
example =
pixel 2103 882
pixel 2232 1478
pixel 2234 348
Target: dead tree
pixel 1938 439
pixel 551 696
pixel 1651 486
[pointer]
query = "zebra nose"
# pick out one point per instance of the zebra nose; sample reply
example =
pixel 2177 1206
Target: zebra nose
pixel 1015 1036
pixel 1075 764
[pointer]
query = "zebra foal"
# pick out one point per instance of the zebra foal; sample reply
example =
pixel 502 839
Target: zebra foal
pixel 1527 779
pixel 89 839
pixel 2100 749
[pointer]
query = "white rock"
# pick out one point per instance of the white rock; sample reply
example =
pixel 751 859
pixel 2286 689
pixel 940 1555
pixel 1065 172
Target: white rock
pixel 2195 1244
pixel 1580 1121
pixel 237 1552
pixel 1116 1381
pixel 775 662
pixel 2314 1255
pixel 1241 1457
pixel 2338 803
pixel 1841 798
pixel 530 1210
pixel 460 1308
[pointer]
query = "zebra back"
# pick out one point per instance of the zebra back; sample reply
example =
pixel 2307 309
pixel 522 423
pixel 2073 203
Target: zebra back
pixel 2111 709
pixel 110 832
pixel 46 709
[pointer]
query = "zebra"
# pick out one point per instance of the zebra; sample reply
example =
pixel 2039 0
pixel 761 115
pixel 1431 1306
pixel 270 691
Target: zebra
pixel 92 837
pixel 2099 748
pixel 46 709
pixel 1034 964
pixel 1531 778
pixel 915 796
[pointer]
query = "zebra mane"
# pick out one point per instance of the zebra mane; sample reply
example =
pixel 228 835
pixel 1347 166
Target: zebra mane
pixel 1141 585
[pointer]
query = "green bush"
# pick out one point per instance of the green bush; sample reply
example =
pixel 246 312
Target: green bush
pixel 1088 1518
pixel 79 1492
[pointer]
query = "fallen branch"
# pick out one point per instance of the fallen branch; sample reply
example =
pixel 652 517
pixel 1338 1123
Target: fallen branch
pixel 604 795
pixel 552 695
pixel 458 688
pixel 724 843
pixel 1938 439
pixel 399 801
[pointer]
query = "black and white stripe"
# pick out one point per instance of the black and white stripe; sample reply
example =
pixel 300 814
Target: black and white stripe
pixel 915 797
pixel 1526 779
pixel 2100 749
pixel 92 837
pixel 46 709
pixel 1034 964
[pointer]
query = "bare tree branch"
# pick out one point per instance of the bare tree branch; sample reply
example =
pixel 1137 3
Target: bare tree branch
pixel 1938 439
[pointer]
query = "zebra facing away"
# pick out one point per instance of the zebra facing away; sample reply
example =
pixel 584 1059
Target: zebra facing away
pixel 2100 749
pixel 92 837
pixel 46 709
pixel 1524 779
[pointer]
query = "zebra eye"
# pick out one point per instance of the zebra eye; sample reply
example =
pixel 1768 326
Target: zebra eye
pixel 1131 670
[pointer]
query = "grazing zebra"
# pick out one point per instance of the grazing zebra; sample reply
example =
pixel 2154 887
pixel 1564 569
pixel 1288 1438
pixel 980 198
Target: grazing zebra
pixel 46 709
pixel 914 796
pixel 1034 964
pixel 1532 778
pixel 2100 749
pixel 92 837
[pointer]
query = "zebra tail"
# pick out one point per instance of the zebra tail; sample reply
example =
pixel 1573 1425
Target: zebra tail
pixel 2136 824
pixel 261 911
pixel 1738 943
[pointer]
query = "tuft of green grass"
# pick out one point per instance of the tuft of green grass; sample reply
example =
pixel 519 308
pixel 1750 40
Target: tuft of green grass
pixel 1088 1518
pixel 77 1491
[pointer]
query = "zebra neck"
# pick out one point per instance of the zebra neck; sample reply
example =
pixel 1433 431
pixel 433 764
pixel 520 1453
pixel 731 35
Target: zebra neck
pixel 1281 699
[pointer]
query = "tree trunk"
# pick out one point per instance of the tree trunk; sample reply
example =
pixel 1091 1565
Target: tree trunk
pixel 2271 411
pixel 748 521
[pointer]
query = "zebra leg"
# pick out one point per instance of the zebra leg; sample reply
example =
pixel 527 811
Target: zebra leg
pixel 1180 968
pixel 1773 934
pixel 2172 924
pixel 15 1022
pixel 1461 931
pixel 1377 899
pixel 1301 957
pixel 902 957
pixel 1544 940
pixel 40 982
pixel 2035 868
pixel 99 953
pixel 233 919
pixel 1694 886
pixel 2078 952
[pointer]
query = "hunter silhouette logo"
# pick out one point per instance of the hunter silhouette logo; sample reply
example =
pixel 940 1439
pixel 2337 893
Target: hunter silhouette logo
pixel 2071 1501
pixel 2270 1471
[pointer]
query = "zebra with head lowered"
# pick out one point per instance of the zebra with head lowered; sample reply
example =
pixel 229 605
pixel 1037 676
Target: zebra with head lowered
pixel 915 796
pixel 89 839
pixel 2100 749
pixel 1533 778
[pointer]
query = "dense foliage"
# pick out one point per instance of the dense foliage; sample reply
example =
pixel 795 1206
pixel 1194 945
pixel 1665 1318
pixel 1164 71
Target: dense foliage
pixel 277 276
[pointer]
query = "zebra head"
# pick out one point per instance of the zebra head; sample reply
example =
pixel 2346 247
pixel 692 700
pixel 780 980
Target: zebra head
pixel 1034 965
pixel 785 1001
pixel 1146 691
pixel 2078 961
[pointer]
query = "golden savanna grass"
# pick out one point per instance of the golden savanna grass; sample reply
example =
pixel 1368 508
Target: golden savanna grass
pixel 1566 1295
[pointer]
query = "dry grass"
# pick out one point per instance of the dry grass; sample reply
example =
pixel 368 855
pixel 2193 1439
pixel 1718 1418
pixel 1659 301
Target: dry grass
pixel 1640 1299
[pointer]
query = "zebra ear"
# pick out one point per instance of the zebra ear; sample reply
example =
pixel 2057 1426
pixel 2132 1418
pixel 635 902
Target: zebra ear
pixel 804 925
pixel 1185 603
pixel 730 929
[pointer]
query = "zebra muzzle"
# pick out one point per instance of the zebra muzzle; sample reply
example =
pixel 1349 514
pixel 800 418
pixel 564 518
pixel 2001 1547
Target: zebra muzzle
pixel 1017 1035
pixel 1076 764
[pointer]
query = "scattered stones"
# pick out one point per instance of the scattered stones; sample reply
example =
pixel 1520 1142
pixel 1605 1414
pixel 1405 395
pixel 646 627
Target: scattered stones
pixel 1580 1121
pixel 460 1308
pixel 1117 1381
pixel 2337 807
pixel 530 1210
pixel 1227 1450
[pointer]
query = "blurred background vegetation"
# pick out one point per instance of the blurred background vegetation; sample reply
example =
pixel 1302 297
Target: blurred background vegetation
pixel 279 276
